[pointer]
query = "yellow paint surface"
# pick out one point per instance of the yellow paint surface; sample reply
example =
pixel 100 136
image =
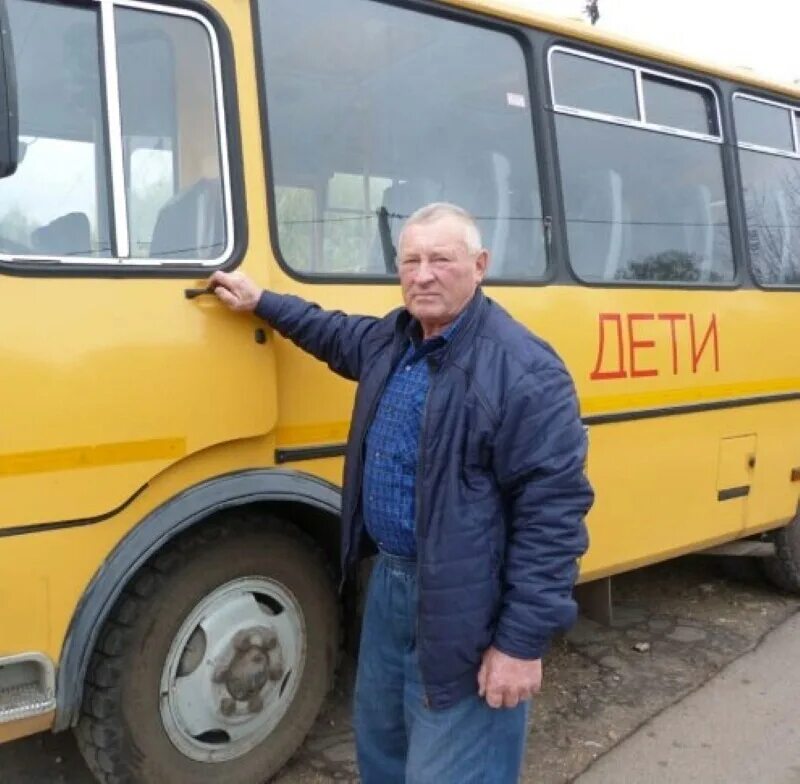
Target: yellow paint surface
pixel 113 384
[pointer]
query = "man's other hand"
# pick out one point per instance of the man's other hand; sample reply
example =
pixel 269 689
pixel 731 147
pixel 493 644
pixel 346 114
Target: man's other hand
pixel 236 290
pixel 505 681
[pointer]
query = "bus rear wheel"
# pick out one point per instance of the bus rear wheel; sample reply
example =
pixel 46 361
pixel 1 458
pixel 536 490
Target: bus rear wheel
pixel 783 569
pixel 214 664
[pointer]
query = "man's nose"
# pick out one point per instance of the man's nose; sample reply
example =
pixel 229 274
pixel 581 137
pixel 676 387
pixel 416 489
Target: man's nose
pixel 424 271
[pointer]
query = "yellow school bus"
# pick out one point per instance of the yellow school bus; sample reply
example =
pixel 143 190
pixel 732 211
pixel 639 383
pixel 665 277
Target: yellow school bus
pixel 169 471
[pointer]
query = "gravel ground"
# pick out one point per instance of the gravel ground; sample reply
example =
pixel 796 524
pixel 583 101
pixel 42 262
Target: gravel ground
pixel 675 626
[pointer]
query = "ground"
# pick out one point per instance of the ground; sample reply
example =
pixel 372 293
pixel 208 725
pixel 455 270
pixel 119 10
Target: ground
pixel 675 626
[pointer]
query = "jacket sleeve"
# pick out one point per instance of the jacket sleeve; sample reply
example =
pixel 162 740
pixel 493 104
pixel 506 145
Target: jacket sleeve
pixel 330 335
pixel 539 455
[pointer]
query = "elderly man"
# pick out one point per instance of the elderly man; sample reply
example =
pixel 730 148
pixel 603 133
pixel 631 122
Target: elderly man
pixel 464 469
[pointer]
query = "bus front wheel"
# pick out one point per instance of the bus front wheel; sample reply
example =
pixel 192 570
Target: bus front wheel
pixel 783 569
pixel 214 663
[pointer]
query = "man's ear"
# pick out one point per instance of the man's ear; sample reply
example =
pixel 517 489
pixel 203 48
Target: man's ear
pixel 481 265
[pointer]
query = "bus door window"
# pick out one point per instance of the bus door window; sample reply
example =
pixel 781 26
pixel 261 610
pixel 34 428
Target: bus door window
pixel 169 127
pixel 58 205
pixel 55 205
pixel 146 70
pixel 392 107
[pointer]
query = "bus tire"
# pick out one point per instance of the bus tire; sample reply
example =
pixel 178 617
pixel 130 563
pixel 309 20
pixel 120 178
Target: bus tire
pixel 215 661
pixel 783 569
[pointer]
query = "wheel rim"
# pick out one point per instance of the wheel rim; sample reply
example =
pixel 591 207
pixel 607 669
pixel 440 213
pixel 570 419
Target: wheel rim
pixel 233 669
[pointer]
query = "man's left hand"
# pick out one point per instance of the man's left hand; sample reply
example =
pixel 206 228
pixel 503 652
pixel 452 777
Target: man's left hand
pixel 505 681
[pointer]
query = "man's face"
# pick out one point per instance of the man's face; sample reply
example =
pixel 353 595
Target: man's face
pixel 438 274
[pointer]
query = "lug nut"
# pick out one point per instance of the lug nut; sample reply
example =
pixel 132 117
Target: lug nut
pixel 270 639
pixel 256 704
pixel 241 640
pixel 227 706
pixel 258 658
pixel 275 672
pixel 256 640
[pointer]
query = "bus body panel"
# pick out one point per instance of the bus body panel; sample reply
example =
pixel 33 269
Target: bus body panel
pixel 123 394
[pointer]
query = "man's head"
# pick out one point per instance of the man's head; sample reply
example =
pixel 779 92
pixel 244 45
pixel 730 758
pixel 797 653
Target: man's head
pixel 441 262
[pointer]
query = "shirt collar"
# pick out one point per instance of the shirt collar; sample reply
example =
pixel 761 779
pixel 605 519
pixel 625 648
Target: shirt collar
pixel 414 330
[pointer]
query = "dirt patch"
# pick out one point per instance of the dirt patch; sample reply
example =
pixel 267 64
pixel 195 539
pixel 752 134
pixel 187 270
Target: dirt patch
pixel 675 626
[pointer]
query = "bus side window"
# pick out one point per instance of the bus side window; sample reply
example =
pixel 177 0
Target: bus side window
pixel 298 226
pixel 595 222
pixel 771 180
pixel 399 200
pixel 385 108
pixel 644 196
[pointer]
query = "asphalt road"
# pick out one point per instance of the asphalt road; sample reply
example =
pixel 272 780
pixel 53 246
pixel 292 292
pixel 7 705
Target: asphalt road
pixel 740 727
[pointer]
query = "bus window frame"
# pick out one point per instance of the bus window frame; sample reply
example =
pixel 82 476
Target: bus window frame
pixel 794 112
pixel 639 71
pixel 732 193
pixel 521 34
pixel 229 144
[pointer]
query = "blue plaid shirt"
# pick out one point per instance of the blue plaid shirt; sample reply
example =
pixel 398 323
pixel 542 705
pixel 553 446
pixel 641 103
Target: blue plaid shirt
pixel 392 449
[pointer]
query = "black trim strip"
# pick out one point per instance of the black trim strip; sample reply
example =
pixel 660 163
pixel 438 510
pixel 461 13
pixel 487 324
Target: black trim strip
pixel 294 454
pixel 733 492
pixel 297 454
pixel 691 408
pixel 34 528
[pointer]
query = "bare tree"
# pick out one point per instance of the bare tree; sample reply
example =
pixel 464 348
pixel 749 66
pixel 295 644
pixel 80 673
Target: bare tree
pixel 592 11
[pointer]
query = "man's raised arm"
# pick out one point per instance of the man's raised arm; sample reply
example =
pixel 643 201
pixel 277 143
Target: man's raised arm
pixel 330 335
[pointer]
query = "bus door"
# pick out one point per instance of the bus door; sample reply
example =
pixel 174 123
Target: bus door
pixel 123 198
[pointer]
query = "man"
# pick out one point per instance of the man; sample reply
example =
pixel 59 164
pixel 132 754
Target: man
pixel 464 468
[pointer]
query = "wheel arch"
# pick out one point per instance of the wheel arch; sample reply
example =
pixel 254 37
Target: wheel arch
pixel 305 500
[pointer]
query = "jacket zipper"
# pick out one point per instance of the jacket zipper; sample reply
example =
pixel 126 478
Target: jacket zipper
pixel 418 516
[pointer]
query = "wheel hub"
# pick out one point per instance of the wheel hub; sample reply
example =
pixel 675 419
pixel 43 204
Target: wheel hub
pixel 256 659
pixel 233 669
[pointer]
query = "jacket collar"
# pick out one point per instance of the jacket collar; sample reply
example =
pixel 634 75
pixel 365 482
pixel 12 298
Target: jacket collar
pixel 468 322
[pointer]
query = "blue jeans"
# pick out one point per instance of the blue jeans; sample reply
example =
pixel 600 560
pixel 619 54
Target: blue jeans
pixel 398 739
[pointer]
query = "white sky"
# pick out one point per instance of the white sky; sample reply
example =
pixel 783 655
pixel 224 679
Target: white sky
pixel 761 34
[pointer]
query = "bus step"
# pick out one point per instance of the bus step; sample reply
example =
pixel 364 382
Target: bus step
pixel 26 687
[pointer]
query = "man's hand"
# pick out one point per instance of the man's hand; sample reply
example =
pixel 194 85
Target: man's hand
pixel 505 681
pixel 236 290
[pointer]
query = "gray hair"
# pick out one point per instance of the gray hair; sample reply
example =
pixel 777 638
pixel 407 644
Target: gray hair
pixel 442 209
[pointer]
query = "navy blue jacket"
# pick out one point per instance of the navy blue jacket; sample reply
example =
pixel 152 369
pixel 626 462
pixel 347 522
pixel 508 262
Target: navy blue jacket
pixel 501 492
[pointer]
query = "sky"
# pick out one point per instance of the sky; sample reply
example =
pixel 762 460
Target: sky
pixel 763 35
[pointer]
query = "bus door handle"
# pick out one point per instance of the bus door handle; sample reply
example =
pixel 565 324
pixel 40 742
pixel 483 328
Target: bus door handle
pixel 260 333
pixel 194 293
